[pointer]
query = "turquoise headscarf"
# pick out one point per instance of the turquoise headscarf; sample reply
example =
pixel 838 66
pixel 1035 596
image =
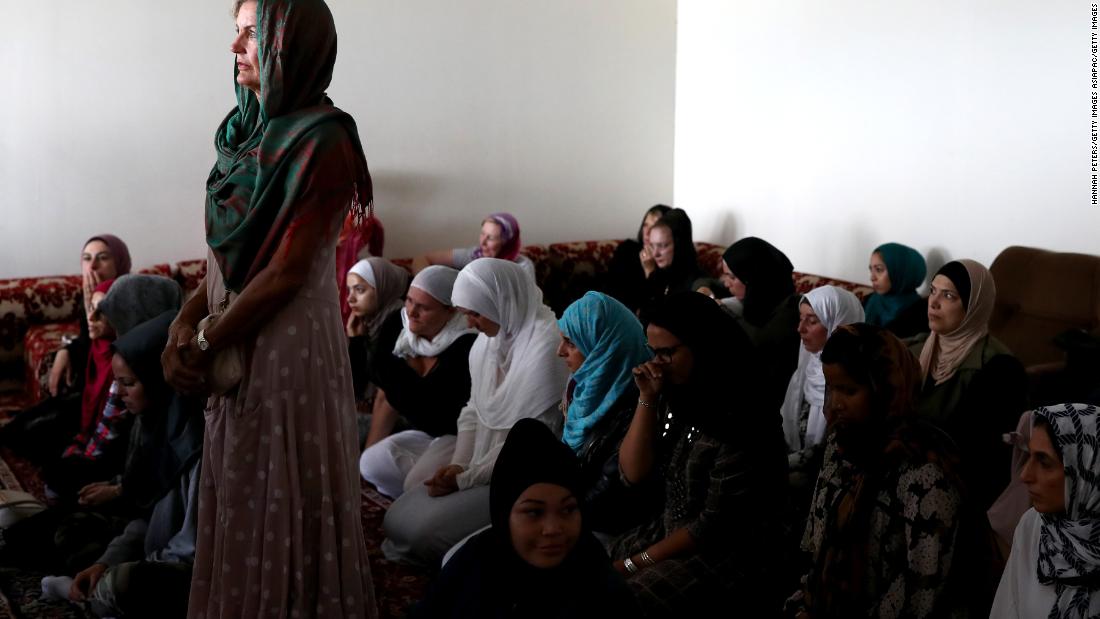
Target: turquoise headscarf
pixel 613 343
pixel 907 270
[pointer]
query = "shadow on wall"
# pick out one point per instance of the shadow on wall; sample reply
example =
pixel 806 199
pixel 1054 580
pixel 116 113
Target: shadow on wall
pixel 936 258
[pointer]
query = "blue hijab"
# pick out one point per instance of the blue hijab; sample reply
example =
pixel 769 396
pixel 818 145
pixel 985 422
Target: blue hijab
pixel 907 270
pixel 613 344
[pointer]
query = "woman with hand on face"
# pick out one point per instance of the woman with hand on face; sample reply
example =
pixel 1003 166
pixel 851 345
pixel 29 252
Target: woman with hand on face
pixel 602 342
pixel 104 257
pixel 538 559
pixel 279 526
pixel 1055 563
pixel 499 238
pixel 971 384
pixel 514 373
pixel 423 381
pixel 721 460
pixel 632 260
pixel 376 294
pixel 896 273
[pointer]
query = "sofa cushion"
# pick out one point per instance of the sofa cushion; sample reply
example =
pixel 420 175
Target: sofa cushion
pixel 1040 294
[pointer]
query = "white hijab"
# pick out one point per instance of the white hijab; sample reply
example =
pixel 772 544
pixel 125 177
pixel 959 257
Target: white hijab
pixel 516 373
pixel 834 307
pixel 437 282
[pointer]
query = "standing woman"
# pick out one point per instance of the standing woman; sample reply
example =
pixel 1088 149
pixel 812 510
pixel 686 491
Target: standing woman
pixel 279 530
pixel 896 272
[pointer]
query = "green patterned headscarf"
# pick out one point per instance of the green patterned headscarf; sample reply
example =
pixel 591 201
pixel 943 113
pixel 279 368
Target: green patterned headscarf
pixel 285 150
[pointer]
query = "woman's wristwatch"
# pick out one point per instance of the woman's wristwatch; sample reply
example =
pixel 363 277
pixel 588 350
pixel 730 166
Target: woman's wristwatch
pixel 200 339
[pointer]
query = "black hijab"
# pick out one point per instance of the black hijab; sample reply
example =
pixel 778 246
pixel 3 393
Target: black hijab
pixel 723 357
pixel 171 427
pixel 487 578
pixel 767 274
pixel 684 257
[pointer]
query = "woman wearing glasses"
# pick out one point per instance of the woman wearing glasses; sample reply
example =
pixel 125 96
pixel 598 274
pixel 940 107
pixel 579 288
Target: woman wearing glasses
pixel 722 461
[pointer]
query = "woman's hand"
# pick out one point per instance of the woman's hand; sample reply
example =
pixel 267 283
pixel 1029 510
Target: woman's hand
pixel 89 281
pixel 356 325
pixel 649 379
pixel 444 481
pixel 85 582
pixel 99 492
pixel 61 373
pixel 649 265
pixel 181 369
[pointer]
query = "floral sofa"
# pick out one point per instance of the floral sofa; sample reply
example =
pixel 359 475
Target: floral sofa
pixel 35 313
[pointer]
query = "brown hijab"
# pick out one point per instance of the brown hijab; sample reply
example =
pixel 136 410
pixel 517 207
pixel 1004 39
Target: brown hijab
pixel 943 353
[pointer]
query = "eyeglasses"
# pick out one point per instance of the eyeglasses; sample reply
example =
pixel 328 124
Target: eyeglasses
pixel 664 354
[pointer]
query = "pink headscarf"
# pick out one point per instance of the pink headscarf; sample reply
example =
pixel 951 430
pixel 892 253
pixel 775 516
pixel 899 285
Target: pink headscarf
pixel 509 233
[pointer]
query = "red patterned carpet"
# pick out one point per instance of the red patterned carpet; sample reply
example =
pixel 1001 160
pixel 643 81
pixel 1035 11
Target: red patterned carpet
pixel 397 586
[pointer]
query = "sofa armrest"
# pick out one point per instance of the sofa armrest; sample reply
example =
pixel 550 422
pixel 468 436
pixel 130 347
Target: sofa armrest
pixel 40 346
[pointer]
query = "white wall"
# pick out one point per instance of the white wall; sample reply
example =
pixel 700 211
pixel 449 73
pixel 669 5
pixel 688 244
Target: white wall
pixel 561 112
pixel 829 127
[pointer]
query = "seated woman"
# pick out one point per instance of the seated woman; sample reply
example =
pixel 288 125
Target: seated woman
pixel 376 294
pixel 632 260
pixel 886 511
pixel 515 373
pixel 67 538
pixel 104 257
pixel 972 386
pixel 425 381
pixel 97 453
pixel 601 342
pixel 822 310
pixel 499 239
pixel 722 462
pixel 1054 563
pixel 896 273
pixel 675 262
pixel 761 277
pixel 539 558
pixel 146 570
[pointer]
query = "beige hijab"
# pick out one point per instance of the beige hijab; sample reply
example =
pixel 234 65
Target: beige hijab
pixel 944 353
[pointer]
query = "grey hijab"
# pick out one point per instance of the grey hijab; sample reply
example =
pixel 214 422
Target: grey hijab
pixel 134 299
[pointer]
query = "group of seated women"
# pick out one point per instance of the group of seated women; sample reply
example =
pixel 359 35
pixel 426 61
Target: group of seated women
pixel 670 445
pixel 729 442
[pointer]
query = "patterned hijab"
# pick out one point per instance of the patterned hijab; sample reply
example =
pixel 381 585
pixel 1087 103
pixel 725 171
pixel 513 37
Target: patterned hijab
pixel 767 274
pixel 285 151
pixel 833 307
pixel 613 344
pixel 943 353
pixel 836 532
pixel 907 270
pixel 509 236
pixel 1069 556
